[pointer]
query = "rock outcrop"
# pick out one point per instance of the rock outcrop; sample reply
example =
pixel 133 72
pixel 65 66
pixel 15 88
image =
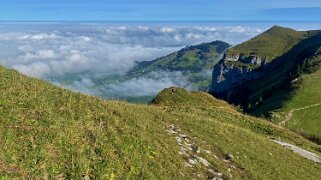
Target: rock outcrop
pixel 249 59
pixel 254 70
pixel 227 76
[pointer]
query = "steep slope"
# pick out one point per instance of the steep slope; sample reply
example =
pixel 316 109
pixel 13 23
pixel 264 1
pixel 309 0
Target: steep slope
pixel 301 106
pixel 192 61
pixel 253 70
pixel 268 45
pixel 48 132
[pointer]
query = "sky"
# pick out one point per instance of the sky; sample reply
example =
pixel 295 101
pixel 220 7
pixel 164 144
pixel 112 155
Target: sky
pixel 84 56
pixel 160 10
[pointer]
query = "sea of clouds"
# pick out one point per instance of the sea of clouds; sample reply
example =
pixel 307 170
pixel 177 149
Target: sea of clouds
pixel 87 52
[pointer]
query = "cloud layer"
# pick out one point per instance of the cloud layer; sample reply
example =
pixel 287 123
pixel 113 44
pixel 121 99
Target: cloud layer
pixel 57 51
pixel 146 86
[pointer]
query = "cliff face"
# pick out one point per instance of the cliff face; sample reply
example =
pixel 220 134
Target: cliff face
pixel 227 76
pixel 248 59
pixel 247 73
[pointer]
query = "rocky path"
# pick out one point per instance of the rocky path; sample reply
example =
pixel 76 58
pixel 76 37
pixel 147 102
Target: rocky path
pixel 193 153
pixel 302 152
pixel 290 113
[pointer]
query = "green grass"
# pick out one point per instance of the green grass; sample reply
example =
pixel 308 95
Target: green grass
pixel 192 61
pixel 304 93
pixel 270 44
pixel 293 52
pixel 307 94
pixel 307 120
pixel 49 132
pixel 276 101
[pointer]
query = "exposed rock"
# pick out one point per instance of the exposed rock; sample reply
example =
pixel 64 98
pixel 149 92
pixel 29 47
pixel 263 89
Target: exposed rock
pixel 195 148
pixel 244 76
pixel 183 136
pixel 178 139
pixel 203 161
pixel 188 164
pixel 231 57
pixel 193 161
pixel 86 177
pixel 215 175
pixel 250 59
pixel 227 77
pixel 229 156
pixel 192 153
pixel 170 131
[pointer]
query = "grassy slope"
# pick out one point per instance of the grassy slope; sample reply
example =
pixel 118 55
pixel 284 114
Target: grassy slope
pixel 270 44
pixel 289 48
pixel 307 120
pixel 192 58
pixel 192 61
pixel 299 106
pixel 46 131
pixel 307 94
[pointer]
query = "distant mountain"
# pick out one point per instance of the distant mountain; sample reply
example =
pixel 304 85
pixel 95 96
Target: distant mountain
pixel 193 61
pixel 51 133
pixel 276 75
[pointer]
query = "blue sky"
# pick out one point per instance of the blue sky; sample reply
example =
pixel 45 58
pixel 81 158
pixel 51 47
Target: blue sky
pixel 160 10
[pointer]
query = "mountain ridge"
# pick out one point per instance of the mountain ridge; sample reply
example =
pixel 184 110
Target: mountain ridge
pixel 268 45
pixel 243 79
pixel 200 55
pixel 194 62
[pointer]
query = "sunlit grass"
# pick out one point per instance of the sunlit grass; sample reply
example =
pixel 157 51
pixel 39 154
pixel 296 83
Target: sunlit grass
pixel 49 132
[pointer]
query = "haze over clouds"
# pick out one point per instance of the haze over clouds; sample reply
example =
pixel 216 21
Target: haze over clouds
pixel 145 86
pixel 54 51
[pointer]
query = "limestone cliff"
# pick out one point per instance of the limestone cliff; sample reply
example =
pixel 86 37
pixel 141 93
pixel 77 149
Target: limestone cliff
pixel 253 69
pixel 228 75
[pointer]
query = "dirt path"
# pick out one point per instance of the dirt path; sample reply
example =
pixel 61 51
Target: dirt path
pixel 302 152
pixel 290 113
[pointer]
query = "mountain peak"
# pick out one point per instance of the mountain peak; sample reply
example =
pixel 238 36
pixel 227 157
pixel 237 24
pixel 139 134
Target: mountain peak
pixel 276 27
pixel 280 30
pixel 270 44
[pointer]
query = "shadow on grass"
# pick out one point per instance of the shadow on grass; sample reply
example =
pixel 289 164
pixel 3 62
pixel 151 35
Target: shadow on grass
pixel 314 138
pixel 275 101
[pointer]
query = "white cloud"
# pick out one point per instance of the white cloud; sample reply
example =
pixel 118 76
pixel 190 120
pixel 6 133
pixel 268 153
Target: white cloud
pixel 55 51
pixel 38 37
pixel 146 86
pixel 36 69
pixel 167 30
